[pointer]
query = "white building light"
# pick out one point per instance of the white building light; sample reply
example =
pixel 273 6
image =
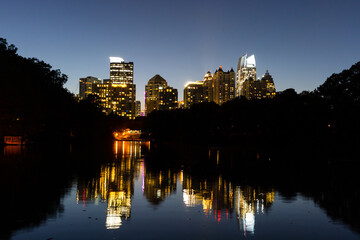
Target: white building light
pixel 116 60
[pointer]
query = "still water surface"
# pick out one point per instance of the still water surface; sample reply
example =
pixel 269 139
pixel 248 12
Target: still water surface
pixel 126 199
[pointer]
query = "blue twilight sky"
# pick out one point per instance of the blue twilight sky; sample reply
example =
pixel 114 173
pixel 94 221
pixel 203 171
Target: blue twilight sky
pixel 300 42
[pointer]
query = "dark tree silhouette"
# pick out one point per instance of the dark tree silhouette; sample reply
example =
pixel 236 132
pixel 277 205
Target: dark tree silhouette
pixel 343 87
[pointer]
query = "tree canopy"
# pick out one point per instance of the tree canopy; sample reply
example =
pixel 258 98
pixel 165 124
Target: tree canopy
pixel 342 87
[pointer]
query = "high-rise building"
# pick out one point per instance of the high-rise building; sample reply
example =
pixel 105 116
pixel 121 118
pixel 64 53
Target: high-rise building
pixel 209 85
pixel 152 93
pixel 259 89
pixel 87 86
pixel 168 98
pixel 137 108
pixel 117 94
pixel 122 89
pixel 123 99
pixel 121 72
pixel 268 85
pixel 104 95
pixel 251 89
pixel 195 92
pixel 159 96
pixel 246 70
pixel 218 87
pixel 221 88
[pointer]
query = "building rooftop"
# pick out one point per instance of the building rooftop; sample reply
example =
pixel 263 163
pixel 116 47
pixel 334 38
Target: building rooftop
pixel 157 79
pixel 116 60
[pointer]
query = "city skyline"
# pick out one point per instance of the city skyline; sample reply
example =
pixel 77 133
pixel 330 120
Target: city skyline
pixel 300 42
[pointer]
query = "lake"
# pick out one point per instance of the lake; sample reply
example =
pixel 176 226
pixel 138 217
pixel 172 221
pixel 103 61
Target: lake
pixel 125 194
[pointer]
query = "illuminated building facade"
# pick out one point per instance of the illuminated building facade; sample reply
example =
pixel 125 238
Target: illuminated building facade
pixel 221 88
pixel 246 70
pixel 87 86
pixel 117 94
pixel 121 72
pixel 102 90
pixel 181 104
pixel 137 108
pixel 209 85
pixel 268 86
pixel 116 98
pixel 123 90
pixel 123 99
pixel 195 92
pixel 259 89
pixel 218 87
pixel 152 93
pixel 168 98
pixel 159 96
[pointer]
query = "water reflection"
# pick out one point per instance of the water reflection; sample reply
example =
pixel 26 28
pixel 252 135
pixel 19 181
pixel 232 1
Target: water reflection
pixel 32 188
pixel 115 184
pixel 250 201
pixel 215 196
pixel 219 197
pixel 12 150
pixel 159 185
pixel 129 181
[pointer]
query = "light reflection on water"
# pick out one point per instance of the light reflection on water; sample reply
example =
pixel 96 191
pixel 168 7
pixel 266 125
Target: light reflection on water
pixel 218 197
pixel 129 200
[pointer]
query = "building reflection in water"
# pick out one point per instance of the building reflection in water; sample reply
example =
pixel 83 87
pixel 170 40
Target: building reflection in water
pixel 115 185
pixel 159 185
pixel 250 201
pixel 219 197
pixel 215 196
pixel 12 151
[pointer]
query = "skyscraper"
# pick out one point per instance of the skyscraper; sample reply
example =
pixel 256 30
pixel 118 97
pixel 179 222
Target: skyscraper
pixel 87 86
pixel 117 94
pixel 246 70
pixel 218 87
pixel 209 85
pixel 159 96
pixel 120 71
pixel 152 93
pixel 268 85
pixel 195 92
pixel 221 88
pixel 259 89
pixel 168 98
pixel 137 108
pixel 122 89
pixel 103 93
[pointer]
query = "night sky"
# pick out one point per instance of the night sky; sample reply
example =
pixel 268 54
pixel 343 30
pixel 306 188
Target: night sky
pixel 300 42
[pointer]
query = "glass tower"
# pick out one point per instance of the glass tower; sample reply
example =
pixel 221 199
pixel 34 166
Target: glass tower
pixel 246 69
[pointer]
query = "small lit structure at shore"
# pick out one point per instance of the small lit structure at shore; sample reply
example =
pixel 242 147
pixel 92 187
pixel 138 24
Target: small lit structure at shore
pixel 13 140
pixel 127 134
